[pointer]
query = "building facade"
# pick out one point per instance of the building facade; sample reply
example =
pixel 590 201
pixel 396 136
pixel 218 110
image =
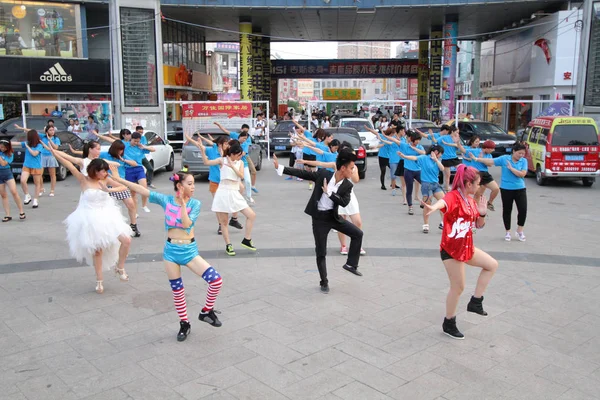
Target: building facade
pixel 363 50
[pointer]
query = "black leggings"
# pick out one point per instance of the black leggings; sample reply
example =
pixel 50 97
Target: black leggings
pixel 384 163
pixel 409 178
pixel 519 196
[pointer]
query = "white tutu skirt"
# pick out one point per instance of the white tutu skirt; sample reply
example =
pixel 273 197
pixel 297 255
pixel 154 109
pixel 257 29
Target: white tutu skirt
pixel 352 207
pixel 95 225
pixel 228 198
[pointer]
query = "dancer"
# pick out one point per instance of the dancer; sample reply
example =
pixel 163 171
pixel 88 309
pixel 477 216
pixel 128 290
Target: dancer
pixel 450 159
pixel 250 175
pixel 412 171
pixel 181 213
pixel 392 146
pixel 384 159
pixel 487 180
pixel 431 166
pixel 48 160
pixel 512 187
pixel 332 190
pixel 96 230
pixel 461 217
pixel 32 166
pixel 147 164
pixel 307 153
pixel 7 179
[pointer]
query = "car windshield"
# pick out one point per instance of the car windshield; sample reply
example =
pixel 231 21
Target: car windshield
pixel 288 126
pixel 359 125
pixel 353 139
pixel 575 135
pixel 174 126
pixel 423 124
pixel 487 129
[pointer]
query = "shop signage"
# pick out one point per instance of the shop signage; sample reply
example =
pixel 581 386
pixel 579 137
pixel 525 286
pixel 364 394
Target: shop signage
pixel 344 69
pixel 228 110
pixel 56 73
pixel 342 94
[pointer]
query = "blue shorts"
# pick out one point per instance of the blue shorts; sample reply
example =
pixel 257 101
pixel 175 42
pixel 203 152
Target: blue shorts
pixel 180 254
pixel 5 175
pixel 430 188
pixel 135 174
pixel 393 168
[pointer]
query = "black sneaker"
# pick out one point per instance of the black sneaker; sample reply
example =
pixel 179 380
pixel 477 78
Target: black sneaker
pixel 383 188
pixel 219 231
pixel 476 306
pixel 247 243
pixel 352 269
pixel 184 330
pixel 229 250
pixel 210 318
pixel 325 288
pixel 441 225
pixel 235 223
pixel 134 228
pixel 451 330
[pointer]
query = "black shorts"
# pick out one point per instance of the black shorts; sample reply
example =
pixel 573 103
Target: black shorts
pixel 451 162
pixel 400 168
pixel 309 157
pixel 486 178
pixel 384 162
pixel 444 255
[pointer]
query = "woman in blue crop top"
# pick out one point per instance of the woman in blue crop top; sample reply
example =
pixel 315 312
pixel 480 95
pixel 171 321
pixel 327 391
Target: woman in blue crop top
pixel 181 213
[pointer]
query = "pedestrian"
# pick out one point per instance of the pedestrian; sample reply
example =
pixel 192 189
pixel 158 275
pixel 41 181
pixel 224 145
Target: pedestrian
pixel 96 231
pixel 32 166
pixel 91 125
pixel 181 249
pixel 325 124
pixel 512 187
pixel 8 180
pixel 332 190
pixel 487 180
pixel 48 160
pixel 462 216
pixel 71 125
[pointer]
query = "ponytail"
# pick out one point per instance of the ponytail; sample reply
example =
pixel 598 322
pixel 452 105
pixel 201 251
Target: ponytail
pixel 463 175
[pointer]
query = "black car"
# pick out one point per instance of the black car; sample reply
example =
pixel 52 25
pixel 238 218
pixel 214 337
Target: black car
pixel 175 134
pixel 66 138
pixel 487 131
pixel 8 128
pixel 279 138
pixel 351 136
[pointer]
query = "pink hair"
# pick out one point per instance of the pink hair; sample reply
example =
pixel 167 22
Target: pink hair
pixel 463 175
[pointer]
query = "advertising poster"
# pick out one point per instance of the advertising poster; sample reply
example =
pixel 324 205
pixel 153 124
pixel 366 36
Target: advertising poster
pixel 245 61
pixel 449 73
pixel 231 115
pixel 435 74
pixel 423 80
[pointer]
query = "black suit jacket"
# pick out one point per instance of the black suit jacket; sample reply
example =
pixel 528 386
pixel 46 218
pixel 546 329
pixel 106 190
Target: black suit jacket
pixel 340 199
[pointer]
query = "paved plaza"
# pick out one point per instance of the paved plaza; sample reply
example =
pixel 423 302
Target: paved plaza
pixel 372 337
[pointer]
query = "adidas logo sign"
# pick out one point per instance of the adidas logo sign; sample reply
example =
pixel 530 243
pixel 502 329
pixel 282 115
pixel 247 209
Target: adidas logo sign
pixel 56 73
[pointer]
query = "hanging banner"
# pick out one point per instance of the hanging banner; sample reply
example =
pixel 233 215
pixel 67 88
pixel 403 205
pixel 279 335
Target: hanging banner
pixel 423 80
pixel 245 61
pixel 203 115
pixel 435 74
pixel 449 73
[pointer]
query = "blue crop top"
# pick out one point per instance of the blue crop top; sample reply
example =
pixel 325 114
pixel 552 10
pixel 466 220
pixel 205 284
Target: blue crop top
pixel 173 210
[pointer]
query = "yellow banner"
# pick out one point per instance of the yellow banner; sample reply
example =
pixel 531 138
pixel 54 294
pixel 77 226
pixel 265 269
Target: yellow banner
pixel 342 94
pixel 245 61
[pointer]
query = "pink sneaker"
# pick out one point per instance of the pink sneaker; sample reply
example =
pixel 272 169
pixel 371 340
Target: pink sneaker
pixel 344 250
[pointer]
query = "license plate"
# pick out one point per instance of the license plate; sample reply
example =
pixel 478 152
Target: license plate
pixel 574 158
pixel 359 162
pixel 279 147
pixel 16 170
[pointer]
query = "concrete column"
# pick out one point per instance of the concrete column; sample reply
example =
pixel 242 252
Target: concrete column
pixel 137 101
pixel 435 72
pixel 423 78
pixel 449 72
pixel 245 66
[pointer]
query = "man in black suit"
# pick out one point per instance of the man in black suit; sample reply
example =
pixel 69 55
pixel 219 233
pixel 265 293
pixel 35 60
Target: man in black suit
pixel 332 190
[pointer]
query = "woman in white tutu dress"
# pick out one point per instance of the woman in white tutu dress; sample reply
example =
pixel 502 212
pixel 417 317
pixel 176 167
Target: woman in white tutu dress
pixel 97 231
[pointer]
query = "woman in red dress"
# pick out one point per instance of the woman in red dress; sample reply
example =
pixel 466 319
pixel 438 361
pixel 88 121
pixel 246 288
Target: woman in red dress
pixel 462 217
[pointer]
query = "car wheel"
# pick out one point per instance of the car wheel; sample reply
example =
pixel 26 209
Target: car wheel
pixel 171 165
pixel 362 174
pixel 588 182
pixel 539 179
pixel 258 166
pixel 61 173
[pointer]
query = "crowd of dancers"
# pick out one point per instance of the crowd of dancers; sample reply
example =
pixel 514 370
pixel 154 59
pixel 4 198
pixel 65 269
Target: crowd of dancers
pixel 99 234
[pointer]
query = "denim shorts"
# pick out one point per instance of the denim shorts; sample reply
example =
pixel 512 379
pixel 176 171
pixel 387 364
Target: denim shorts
pixel 135 174
pixel 430 188
pixel 5 175
pixel 393 168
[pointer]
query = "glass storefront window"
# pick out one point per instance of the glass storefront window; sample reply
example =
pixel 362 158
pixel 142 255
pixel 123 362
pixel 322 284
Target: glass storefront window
pixel 182 44
pixel 39 29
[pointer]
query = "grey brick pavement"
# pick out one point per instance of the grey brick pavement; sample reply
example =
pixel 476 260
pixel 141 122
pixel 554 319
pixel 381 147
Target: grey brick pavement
pixel 375 337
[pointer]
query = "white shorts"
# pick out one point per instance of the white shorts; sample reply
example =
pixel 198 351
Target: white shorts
pixel 352 207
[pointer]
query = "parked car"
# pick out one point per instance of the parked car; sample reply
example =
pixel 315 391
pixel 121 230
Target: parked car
pixel 424 125
pixel 488 131
pixel 163 157
pixel 38 122
pixel 369 139
pixel 192 157
pixel 351 136
pixel 279 139
pixel 174 134
pixel 65 137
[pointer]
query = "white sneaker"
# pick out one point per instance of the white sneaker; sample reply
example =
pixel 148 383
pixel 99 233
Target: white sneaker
pixel 426 228
pixel 362 252
pixel 35 203
pixel 507 237
pixel 27 199
pixel 521 237
pixel 146 209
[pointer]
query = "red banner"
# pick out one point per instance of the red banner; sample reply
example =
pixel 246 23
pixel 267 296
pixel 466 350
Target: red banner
pixel 228 110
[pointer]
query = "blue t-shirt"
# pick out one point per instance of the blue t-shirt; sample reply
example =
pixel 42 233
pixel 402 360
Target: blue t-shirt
pixel 430 171
pixel 408 151
pixel 6 158
pixel 214 171
pixel 329 157
pixel 246 148
pixel 134 153
pixel 44 139
pixel 143 140
pixel 509 180
pixel 305 149
pixel 105 156
pixel 33 162
pixel 449 151
pixel 173 210
pixel 235 135
pixel 394 157
pixel 324 148
pixel 384 152
pixel 478 153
